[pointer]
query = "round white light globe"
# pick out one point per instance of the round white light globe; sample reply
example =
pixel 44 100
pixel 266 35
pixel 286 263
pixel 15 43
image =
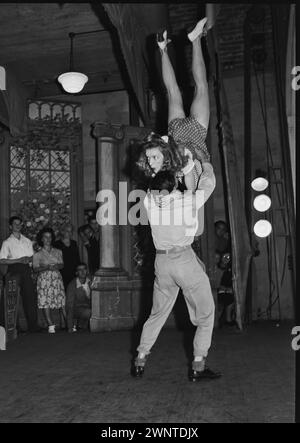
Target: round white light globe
pixel 73 82
pixel 262 228
pixel 262 203
pixel 259 184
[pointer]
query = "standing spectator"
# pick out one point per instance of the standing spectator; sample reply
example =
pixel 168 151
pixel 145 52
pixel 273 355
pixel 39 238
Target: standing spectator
pixel 50 288
pixel 93 224
pixel 70 253
pixel 17 253
pixel 78 298
pixel 223 259
pixel 222 239
pixel 92 246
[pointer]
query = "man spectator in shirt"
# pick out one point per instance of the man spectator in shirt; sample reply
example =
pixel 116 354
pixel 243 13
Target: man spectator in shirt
pixel 78 299
pixel 177 266
pixel 17 253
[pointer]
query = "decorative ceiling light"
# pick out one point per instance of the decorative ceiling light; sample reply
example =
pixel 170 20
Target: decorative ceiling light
pixel 72 81
pixel 262 203
pixel 262 228
pixel 260 183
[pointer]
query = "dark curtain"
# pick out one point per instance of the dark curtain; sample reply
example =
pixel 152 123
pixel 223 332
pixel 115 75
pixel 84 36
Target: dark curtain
pixel 241 248
pixel 280 23
pixel 132 36
pixel 13 105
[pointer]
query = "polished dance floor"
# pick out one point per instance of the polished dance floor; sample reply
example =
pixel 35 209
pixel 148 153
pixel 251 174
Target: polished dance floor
pixel 85 377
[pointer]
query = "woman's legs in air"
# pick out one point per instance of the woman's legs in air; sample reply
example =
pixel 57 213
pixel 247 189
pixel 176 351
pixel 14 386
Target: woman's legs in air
pixel 200 105
pixel 174 95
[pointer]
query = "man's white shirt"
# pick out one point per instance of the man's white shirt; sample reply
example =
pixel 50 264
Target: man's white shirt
pixel 13 248
pixel 177 217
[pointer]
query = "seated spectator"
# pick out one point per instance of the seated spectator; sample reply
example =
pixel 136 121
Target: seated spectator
pixel 70 253
pixel 50 288
pixel 92 246
pixel 79 299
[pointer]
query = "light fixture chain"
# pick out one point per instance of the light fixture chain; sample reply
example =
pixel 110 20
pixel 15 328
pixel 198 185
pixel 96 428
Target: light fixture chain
pixel 71 35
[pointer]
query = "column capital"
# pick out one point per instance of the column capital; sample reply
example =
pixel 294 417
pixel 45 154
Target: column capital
pixel 108 130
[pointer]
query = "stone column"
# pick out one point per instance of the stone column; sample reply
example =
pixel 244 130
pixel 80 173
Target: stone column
pixel 111 287
pixel 108 138
pixel 115 293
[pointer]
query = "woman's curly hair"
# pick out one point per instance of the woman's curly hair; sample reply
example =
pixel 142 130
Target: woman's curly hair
pixel 174 157
pixel 39 237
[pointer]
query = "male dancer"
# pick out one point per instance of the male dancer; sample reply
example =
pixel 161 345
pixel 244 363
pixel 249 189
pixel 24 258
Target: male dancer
pixel 177 266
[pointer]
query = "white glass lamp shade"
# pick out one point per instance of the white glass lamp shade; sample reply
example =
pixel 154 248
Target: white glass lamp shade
pixel 262 228
pixel 259 184
pixel 262 203
pixel 73 82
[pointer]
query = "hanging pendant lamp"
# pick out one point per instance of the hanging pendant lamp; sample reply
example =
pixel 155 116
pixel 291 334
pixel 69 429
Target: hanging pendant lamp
pixel 72 81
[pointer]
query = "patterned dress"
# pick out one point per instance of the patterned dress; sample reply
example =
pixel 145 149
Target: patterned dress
pixel 50 287
pixel 193 135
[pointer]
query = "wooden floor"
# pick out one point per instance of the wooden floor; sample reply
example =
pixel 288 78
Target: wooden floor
pixel 85 378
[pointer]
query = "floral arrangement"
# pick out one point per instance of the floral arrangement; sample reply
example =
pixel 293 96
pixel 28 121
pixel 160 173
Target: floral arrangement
pixel 37 215
pixel 46 204
pixel 40 212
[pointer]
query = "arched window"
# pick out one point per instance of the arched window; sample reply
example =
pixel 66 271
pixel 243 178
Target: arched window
pixel 42 168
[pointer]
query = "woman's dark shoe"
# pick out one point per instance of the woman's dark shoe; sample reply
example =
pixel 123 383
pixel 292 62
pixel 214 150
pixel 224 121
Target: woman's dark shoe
pixel 206 374
pixel 162 40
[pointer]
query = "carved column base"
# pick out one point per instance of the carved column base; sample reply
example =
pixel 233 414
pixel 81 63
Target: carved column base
pixel 110 272
pixel 112 300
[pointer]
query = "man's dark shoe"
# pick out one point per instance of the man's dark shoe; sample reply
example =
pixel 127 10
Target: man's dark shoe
pixel 206 374
pixel 138 367
pixel 137 371
pixel 160 37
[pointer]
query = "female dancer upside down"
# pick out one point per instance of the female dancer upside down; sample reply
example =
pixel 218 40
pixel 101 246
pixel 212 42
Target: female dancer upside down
pixel 186 135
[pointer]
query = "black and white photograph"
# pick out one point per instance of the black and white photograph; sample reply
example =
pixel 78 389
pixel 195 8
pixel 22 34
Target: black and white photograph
pixel 148 216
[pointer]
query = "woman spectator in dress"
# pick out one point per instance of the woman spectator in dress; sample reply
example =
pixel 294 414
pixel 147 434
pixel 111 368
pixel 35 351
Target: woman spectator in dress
pixel 70 254
pixel 50 288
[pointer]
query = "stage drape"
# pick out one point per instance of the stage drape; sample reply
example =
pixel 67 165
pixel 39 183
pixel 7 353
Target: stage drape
pixel 132 36
pixel 280 22
pixel 241 247
pixel 13 105
pixel 290 92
